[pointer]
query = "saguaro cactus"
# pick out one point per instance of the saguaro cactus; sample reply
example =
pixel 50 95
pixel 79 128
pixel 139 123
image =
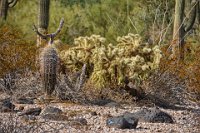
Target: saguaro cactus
pixel 49 61
pixel 4 6
pixel 182 27
pixel 43 18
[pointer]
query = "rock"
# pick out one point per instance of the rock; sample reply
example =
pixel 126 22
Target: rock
pixel 93 113
pixel 24 101
pixel 122 122
pixel 21 108
pixel 55 117
pixel 31 111
pixel 80 121
pixel 153 115
pixel 53 113
pixel 102 102
pixel 28 119
pixel 112 104
pixel 51 110
pixel 6 106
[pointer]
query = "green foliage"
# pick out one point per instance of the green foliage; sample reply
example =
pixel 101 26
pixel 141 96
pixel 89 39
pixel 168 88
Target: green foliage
pixel 111 64
pixel 95 17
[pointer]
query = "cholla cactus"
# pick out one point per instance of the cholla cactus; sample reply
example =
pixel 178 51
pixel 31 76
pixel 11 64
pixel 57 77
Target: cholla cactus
pixel 129 58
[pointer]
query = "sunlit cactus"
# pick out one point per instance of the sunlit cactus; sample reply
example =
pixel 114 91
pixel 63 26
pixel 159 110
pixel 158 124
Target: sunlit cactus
pixel 4 6
pixel 112 64
pixel 49 61
pixel 48 69
pixel 43 18
pixel 44 13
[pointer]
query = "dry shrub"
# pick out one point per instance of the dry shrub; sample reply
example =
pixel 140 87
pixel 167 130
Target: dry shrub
pixel 178 81
pixel 15 52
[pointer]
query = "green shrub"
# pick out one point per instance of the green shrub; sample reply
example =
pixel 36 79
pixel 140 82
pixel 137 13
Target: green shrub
pixel 110 64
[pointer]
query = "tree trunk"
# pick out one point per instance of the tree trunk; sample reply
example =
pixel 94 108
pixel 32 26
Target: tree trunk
pixel 43 19
pixel 178 31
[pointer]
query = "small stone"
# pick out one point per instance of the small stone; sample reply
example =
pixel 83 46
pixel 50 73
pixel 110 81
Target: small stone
pixel 122 122
pixel 55 117
pixel 31 111
pixel 21 108
pixel 93 113
pixel 28 118
pixel 51 110
pixel 112 104
pixel 6 106
pixel 81 121
pixel 24 101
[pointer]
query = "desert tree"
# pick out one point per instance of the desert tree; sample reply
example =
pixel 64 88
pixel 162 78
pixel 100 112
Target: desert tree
pixel 183 24
pixel 4 7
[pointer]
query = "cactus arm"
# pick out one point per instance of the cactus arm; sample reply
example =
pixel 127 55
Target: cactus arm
pixel 58 30
pixel 52 35
pixel 40 34
pixel 192 16
pixel 198 12
pixel 12 3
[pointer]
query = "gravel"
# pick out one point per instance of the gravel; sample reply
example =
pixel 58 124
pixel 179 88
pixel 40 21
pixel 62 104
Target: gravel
pixel 186 121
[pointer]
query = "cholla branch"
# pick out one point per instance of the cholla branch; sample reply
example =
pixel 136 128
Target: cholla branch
pixel 81 79
pixel 71 89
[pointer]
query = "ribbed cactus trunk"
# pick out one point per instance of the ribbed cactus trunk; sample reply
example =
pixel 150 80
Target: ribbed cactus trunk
pixel 43 19
pixel 4 5
pixel 48 69
pixel 181 27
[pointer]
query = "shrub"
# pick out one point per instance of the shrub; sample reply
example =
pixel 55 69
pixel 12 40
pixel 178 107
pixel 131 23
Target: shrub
pixel 15 52
pixel 110 64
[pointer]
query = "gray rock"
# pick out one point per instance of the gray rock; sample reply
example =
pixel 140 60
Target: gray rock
pixel 53 113
pixel 112 104
pixel 51 110
pixel 80 121
pixel 6 106
pixel 24 101
pixel 55 117
pixel 31 111
pixel 122 122
pixel 153 115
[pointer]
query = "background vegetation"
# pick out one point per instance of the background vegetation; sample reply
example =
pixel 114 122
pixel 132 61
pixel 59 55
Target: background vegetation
pixel 152 19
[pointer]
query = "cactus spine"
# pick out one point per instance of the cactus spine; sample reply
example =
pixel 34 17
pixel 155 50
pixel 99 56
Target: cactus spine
pixel 48 69
pixel 43 18
pixel 4 6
